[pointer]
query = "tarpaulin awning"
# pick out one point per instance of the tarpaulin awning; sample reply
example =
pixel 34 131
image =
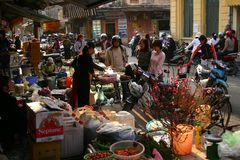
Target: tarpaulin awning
pixel 233 2
pixel 11 10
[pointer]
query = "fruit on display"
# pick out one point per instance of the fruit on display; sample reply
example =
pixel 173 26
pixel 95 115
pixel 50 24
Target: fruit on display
pixel 127 152
pixel 98 156
pixel 44 91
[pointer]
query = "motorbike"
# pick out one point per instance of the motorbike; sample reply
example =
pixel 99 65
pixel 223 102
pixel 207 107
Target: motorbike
pixel 180 56
pixel 230 61
pixel 139 91
pixel 212 77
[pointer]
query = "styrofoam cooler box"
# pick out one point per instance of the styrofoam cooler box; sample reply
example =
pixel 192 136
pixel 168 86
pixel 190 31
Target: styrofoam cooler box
pixel 72 144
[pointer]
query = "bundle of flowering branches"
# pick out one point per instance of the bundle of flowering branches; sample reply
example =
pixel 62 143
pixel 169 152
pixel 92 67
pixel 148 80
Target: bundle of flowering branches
pixel 175 103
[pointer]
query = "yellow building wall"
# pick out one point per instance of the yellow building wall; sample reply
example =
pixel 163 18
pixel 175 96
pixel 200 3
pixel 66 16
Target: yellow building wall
pixel 223 15
pixel 199 17
pixel 173 18
pixel 176 18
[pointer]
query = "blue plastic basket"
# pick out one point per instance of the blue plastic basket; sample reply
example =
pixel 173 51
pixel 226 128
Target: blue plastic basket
pixel 32 80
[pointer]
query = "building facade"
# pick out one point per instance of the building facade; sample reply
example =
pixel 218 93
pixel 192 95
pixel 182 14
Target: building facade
pixel 191 16
pixel 235 9
pixel 125 17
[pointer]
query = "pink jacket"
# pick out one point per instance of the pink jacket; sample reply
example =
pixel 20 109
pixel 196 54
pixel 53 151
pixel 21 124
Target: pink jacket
pixel 156 63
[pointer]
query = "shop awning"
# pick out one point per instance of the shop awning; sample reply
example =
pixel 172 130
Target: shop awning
pixel 73 11
pixel 82 8
pixel 71 8
pixel 11 11
pixel 84 4
pixel 233 2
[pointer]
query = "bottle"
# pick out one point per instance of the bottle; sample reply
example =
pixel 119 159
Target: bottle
pixel 198 143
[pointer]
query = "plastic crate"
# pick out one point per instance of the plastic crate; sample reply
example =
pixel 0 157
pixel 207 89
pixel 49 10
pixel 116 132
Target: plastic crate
pixel 45 150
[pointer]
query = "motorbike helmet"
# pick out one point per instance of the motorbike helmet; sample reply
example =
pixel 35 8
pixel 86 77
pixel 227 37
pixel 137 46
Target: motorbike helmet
pixel 164 34
pixel 138 35
pixel 169 36
pixel 214 35
pixel 198 34
pixel 103 35
pixel 220 34
pixel 229 34
pixel 116 38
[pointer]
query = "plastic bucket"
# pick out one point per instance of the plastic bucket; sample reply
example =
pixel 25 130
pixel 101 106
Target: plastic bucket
pixel 183 140
pixel 68 82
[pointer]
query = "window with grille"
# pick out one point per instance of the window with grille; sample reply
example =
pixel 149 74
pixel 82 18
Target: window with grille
pixel 212 8
pixel 188 18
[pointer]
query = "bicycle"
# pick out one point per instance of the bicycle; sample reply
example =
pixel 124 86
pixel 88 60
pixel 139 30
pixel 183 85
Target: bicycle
pixel 220 110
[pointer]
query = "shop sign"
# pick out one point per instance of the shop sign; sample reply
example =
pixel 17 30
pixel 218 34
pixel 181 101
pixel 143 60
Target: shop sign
pixel 51 26
pixel 96 28
pixel 122 27
pixel 161 15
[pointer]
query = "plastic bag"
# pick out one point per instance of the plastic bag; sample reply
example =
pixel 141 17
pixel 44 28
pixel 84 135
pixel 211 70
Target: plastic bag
pixel 101 98
pixel 135 89
pixel 116 132
pixel 90 128
pixel 230 146
pixel 146 101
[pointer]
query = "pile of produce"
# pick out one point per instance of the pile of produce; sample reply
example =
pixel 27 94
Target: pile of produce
pixel 99 156
pixel 127 151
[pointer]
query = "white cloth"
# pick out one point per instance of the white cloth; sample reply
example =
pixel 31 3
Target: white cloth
pixel 213 41
pixel 118 58
pixel 195 42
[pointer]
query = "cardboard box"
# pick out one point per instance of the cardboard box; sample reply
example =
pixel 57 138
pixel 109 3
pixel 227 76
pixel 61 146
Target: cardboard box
pixel 44 125
pixel 45 150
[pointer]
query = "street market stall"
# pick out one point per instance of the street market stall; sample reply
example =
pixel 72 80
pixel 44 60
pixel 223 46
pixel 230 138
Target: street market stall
pixel 94 132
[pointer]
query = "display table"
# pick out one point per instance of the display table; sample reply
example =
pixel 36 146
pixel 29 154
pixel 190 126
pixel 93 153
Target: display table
pixel 53 55
pixel 115 79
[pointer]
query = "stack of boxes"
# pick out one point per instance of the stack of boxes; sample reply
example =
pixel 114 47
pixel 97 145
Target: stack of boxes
pixel 54 133
pixel 35 55
pixel 46 132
